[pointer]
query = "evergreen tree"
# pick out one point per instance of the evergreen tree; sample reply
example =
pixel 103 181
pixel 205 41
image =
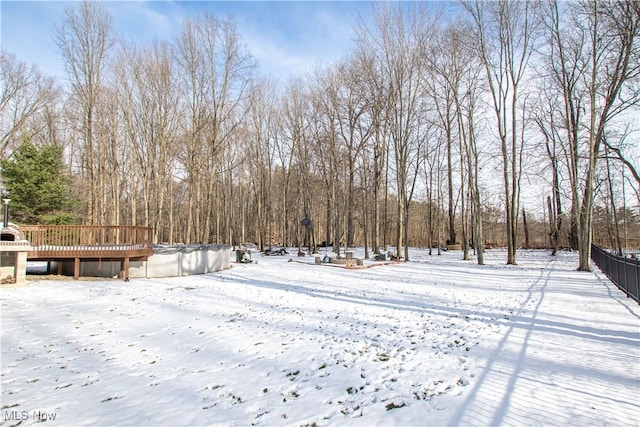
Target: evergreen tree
pixel 38 186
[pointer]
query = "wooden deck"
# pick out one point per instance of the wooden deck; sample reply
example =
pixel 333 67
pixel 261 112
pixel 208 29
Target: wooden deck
pixel 77 243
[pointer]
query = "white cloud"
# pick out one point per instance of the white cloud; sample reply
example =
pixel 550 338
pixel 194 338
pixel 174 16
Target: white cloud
pixel 144 21
pixel 277 61
pixel 287 38
pixel 292 40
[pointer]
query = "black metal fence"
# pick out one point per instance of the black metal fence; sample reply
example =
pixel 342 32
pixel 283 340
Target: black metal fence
pixel 624 272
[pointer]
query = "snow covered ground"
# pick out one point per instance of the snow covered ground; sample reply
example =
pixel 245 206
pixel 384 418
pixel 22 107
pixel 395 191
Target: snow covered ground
pixel 437 341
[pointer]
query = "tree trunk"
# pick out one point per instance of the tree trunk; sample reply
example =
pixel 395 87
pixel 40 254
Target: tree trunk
pixel 527 244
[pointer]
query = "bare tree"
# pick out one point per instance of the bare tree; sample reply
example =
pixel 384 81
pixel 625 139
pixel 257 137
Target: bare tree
pixel 113 167
pixel 596 65
pixel 506 36
pixel 331 155
pixel 456 89
pixel 355 127
pixel 466 107
pixel 215 72
pixel 547 114
pixel 85 38
pixel 292 128
pixel 263 122
pixel 396 39
pixel 374 86
pixel 442 86
pixel 148 104
pixel 433 166
pixel 25 93
pixel 299 117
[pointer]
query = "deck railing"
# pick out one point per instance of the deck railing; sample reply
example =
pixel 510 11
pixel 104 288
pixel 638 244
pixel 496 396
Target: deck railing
pixel 63 243
pixel 89 238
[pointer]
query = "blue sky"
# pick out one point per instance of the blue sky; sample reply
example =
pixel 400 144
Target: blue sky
pixel 286 37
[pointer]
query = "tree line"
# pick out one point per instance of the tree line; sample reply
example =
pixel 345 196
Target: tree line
pixel 426 133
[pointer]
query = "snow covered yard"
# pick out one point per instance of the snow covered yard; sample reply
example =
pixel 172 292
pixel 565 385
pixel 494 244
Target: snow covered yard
pixel 437 341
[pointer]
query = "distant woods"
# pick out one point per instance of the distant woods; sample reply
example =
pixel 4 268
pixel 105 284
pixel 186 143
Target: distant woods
pixel 428 133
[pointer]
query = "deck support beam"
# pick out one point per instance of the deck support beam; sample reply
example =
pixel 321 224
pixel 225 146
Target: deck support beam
pixel 76 268
pixel 124 269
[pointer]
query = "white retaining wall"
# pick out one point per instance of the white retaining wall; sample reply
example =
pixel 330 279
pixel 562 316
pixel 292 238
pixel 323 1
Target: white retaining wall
pixel 167 261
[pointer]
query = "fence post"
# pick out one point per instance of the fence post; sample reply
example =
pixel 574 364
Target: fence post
pixel 637 263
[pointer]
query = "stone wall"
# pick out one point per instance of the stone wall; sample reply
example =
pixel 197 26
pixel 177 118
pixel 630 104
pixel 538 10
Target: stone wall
pixel 13 261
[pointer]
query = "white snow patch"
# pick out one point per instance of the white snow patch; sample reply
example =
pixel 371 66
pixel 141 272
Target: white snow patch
pixel 437 341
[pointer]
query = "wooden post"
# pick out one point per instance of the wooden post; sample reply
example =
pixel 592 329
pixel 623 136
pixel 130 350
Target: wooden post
pixel 76 268
pixel 124 269
pixel 526 229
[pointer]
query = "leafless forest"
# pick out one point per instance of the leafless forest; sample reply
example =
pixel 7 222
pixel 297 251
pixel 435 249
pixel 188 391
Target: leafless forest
pixel 429 132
